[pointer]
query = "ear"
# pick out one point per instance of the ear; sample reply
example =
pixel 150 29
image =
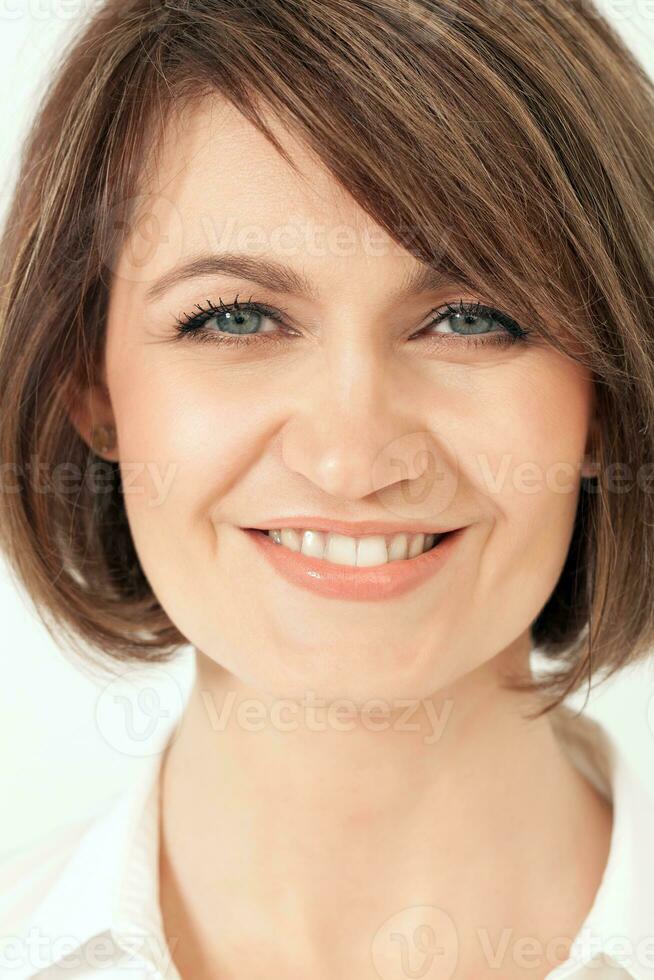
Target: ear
pixel 91 414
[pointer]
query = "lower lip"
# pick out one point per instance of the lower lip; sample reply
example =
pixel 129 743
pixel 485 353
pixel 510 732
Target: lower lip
pixel 334 581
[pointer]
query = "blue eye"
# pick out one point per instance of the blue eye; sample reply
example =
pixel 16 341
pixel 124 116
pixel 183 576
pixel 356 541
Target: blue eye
pixel 474 323
pixel 237 321
pixel 244 323
pixel 240 321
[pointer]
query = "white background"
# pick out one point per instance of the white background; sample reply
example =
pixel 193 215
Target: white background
pixel 57 761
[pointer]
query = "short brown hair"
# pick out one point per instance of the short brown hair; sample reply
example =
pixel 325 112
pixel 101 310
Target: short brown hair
pixel 509 143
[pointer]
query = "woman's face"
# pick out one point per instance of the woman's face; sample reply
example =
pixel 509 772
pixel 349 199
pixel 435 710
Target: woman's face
pixel 359 406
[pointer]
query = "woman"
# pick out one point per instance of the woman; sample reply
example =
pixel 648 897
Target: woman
pixel 346 305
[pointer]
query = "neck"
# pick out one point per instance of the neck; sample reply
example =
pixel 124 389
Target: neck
pixel 279 820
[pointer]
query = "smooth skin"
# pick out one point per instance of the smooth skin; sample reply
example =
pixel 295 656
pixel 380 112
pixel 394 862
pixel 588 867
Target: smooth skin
pixel 302 845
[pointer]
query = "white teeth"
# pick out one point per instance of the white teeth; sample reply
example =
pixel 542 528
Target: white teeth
pixel 416 543
pixel 291 539
pixel 372 551
pixel 399 547
pixel 313 544
pixel 341 549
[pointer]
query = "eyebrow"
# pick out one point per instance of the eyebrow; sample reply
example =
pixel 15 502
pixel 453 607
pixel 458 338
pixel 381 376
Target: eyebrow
pixel 274 275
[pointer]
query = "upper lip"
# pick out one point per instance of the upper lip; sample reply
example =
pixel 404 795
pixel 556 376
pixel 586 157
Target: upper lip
pixel 351 528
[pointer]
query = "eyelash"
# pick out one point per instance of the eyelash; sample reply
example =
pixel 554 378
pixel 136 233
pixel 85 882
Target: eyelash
pixel 191 326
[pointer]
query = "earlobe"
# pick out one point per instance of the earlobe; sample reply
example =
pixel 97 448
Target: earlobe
pixel 103 438
pixel 91 414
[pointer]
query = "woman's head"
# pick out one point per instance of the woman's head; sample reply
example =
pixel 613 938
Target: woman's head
pixel 498 152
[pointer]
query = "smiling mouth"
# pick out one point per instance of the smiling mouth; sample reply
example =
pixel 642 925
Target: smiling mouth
pixel 332 573
pixel 365 551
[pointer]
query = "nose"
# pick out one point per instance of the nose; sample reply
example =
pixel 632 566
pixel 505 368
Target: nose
pixel 352 435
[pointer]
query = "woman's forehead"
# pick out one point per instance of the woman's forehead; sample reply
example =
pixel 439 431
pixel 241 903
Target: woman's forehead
pixel 220 187
pixel 212 157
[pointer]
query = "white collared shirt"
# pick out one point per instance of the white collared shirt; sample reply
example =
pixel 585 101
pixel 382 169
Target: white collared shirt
pixel 97 913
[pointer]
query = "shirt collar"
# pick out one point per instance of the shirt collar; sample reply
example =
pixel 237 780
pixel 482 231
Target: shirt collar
pixel 136 920
pixel 83 902
pixel 620 923
pixel 111 884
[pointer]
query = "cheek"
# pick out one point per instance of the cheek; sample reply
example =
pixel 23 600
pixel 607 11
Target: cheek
pixel 189 437
pixel 195 438
pixel 528 450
